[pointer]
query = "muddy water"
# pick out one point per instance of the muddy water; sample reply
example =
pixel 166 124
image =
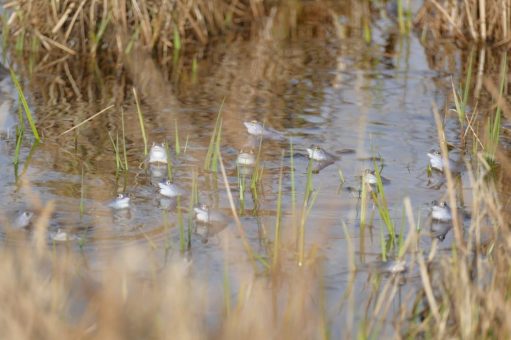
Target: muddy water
pixel 355 101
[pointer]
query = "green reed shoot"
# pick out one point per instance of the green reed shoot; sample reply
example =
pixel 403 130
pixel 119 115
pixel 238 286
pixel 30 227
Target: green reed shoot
pixel 182 241
pixel 20 132
pixel 276 241
pixel 34 50
pixel 177 38
pixel 459 105
pixel 292 174
pixel 367 30
pixel 400 17
pixel 115 145
pixel 216 153
pixel 383 246
pixel 363 201
pixel 20 42
pixel 257 174
pixel 186 143
pixel 96 36
pixel 400 240
pixel 381 203
pixel 459 101
pixel 26 108
pixel 308 202
pixel 494 123
pixel 308 182
pixel 177 147
pixel 342 180
pixel 169 162
pixel 242 187
pixel 195 68
pixel 133 39
pixel 227 288
pixel 118 152
pixel 5 35
pixel 33 148
pixel 193 201
pixel 141 121
pixel 82 193
pixel 468 81
pixel 124 141
pixel 307 208
pixel 177 44
pixel 213 141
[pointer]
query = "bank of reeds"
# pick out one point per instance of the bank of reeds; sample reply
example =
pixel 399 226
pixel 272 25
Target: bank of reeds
pixel 467 21
pixel 86 45
pixel 68 28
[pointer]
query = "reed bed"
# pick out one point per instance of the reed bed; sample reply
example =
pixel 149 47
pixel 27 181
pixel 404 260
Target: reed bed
pixel 467 21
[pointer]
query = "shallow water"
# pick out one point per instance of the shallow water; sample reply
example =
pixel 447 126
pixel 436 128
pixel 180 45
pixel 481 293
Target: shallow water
pixel 341 95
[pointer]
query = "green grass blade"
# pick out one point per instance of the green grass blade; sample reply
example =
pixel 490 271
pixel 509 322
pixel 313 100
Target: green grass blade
pixel 169 162
pixel 28 113
pixel 124 142
pixel 141 121
pixel 178 147
pixel 276 242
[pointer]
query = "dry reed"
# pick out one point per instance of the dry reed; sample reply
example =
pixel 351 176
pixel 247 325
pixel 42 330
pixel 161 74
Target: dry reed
pixel 467 21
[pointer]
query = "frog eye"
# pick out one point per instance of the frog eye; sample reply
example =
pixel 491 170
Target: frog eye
pixel 26 214
pixel 119 196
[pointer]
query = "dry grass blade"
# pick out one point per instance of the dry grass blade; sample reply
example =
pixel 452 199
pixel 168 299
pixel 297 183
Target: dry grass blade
pixel 239 226
pixel 55 43
pixel 467 20
pixel 87 120
pixel 450 181
pixel 501 100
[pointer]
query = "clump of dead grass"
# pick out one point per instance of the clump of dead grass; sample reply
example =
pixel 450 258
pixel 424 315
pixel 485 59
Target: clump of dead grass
pixel 467 21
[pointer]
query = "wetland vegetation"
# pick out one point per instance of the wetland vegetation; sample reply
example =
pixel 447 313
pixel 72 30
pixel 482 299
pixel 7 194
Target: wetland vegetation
pixel 259 169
